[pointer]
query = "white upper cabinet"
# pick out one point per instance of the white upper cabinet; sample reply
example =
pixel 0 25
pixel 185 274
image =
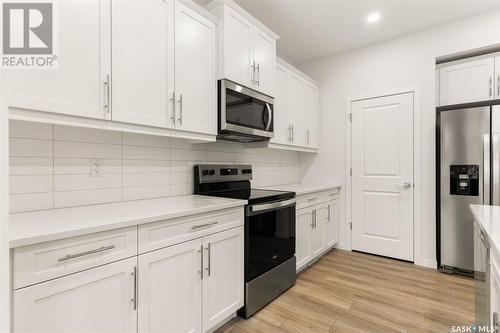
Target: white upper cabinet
pixel 247 49
pixel 497 77
pixel 79 85
pixel 264 55
pixel 96 300
pixel 235 48
pixel 466 82
pixel 282 131
pixel 170 289
pixel 296 110
pixel 195 72
pixel 142 62
pixel 223 279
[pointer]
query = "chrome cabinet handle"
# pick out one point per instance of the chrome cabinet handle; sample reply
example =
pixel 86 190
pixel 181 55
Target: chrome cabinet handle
pixel 134 296
pixel 172 99
pixel 290 133
pixel 293 132
pixel 253 73
pixel 194 227
pixel 180 109
pixel 107 94
pixel 258 74
pixel 329 213
pixel 86 253
pixel 209 264
pixel 270 115
pixel 201 261
pixel 308 136
pixel 498 85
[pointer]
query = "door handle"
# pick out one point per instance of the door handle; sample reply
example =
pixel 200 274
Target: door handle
pixel 270 115
pixel 134 296
pixel 253 73
pixel 200 251
pixel 107 94
pixel 258 74
pixel 498 85
pixel 491 86
pixel 407 186
pixel 209 264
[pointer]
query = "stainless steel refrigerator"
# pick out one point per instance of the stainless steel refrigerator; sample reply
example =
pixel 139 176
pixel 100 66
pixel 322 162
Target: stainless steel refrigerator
pixel 468 155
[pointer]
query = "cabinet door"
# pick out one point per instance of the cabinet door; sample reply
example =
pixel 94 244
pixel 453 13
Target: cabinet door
pixel 494 293
pixel 281 121
pixel 331 224
pixel 295 103
pixel 143 62
pixel 317 231
pixel 223 280
pixel 311 113
pixel 77 85
pixel 264 53
pixel 97 300
pixel 170 289
pixel 302 237
pixel 466 82
pixel 237 48
pixel 195 71
pixel 497 77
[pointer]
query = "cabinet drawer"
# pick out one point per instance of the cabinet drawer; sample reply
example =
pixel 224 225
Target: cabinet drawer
pixel 304 201
pixel 161 234
pixel 41 262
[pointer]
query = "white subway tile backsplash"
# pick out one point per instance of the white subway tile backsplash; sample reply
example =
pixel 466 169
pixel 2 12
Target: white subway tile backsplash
pixel 80 134
pixel 29 130
pixel 88 197
pixel 19 166
pixel 50 165
pixel 32 201
pixel 81 166
pixel 86 182
pixel 86 150
pixel 146 153
pixel 30 147
pixel 30 184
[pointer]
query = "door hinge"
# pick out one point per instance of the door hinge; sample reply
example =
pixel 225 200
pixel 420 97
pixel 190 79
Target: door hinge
pixel 349 116
pixel 350 225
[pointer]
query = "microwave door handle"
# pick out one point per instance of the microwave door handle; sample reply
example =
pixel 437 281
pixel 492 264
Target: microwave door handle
pixel 270 119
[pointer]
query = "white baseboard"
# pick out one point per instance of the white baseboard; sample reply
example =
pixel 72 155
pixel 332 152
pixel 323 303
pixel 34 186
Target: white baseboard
pixel 429 263
pixel 342 246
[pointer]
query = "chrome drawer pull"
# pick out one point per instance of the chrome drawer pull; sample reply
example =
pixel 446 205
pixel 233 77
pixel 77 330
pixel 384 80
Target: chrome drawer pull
pixel 86 253
pixel 194 227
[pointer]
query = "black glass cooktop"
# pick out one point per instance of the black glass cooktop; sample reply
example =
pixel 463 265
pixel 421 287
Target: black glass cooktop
pixel 254 196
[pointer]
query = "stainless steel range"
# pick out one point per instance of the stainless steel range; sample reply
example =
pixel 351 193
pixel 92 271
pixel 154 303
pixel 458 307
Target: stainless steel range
pixel 269 231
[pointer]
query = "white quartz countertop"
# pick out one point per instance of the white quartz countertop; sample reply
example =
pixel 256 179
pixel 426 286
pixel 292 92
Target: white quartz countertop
pixel 301 189
pixel 488 218
pixel 48 225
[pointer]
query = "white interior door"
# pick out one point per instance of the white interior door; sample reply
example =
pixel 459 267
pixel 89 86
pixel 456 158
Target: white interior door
pixel 382 176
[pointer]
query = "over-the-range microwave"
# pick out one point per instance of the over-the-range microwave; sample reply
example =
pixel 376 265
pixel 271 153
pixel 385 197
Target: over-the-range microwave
pixel 245 115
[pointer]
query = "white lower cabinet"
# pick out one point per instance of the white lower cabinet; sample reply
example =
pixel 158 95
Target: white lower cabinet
pixel 170 289
pixel 316 230
pixel 96 300
pixel 223 278
pixel 494 291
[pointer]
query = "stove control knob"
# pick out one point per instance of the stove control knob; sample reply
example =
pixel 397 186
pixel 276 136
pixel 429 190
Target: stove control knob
pixel 205 173
pixel 212 172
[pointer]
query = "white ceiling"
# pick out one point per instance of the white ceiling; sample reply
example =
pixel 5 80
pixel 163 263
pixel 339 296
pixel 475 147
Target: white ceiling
pixel 313 29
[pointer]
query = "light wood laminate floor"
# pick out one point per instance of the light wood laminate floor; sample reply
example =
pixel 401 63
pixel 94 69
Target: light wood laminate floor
pixel 356 292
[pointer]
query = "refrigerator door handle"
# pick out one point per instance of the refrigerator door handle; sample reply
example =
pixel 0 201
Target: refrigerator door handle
pixel 495 165
pixel 486 169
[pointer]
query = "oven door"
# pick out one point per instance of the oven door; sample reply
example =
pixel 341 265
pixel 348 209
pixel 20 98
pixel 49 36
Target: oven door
pixel 244 110
pixel 269 236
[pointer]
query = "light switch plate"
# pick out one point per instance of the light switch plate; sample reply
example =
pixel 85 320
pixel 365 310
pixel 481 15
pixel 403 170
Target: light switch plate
pixel 96 166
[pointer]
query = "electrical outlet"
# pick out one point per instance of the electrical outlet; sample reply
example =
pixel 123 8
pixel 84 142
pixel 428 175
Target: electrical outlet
pixel 96 168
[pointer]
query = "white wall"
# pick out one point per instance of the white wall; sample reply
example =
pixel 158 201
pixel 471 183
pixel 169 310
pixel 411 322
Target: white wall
pixel 50 165
pixel 403 62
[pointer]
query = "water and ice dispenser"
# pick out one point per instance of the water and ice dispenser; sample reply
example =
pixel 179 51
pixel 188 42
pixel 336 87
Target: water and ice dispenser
pixel 464 180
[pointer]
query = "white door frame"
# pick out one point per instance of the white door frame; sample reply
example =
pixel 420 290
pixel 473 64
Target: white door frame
pixel 417 241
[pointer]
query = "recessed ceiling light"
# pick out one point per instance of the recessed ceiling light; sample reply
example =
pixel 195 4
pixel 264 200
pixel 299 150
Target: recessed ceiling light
pixel 373 17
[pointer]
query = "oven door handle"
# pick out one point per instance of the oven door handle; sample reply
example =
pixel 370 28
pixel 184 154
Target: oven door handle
pixel 273 205
pixel 270 119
